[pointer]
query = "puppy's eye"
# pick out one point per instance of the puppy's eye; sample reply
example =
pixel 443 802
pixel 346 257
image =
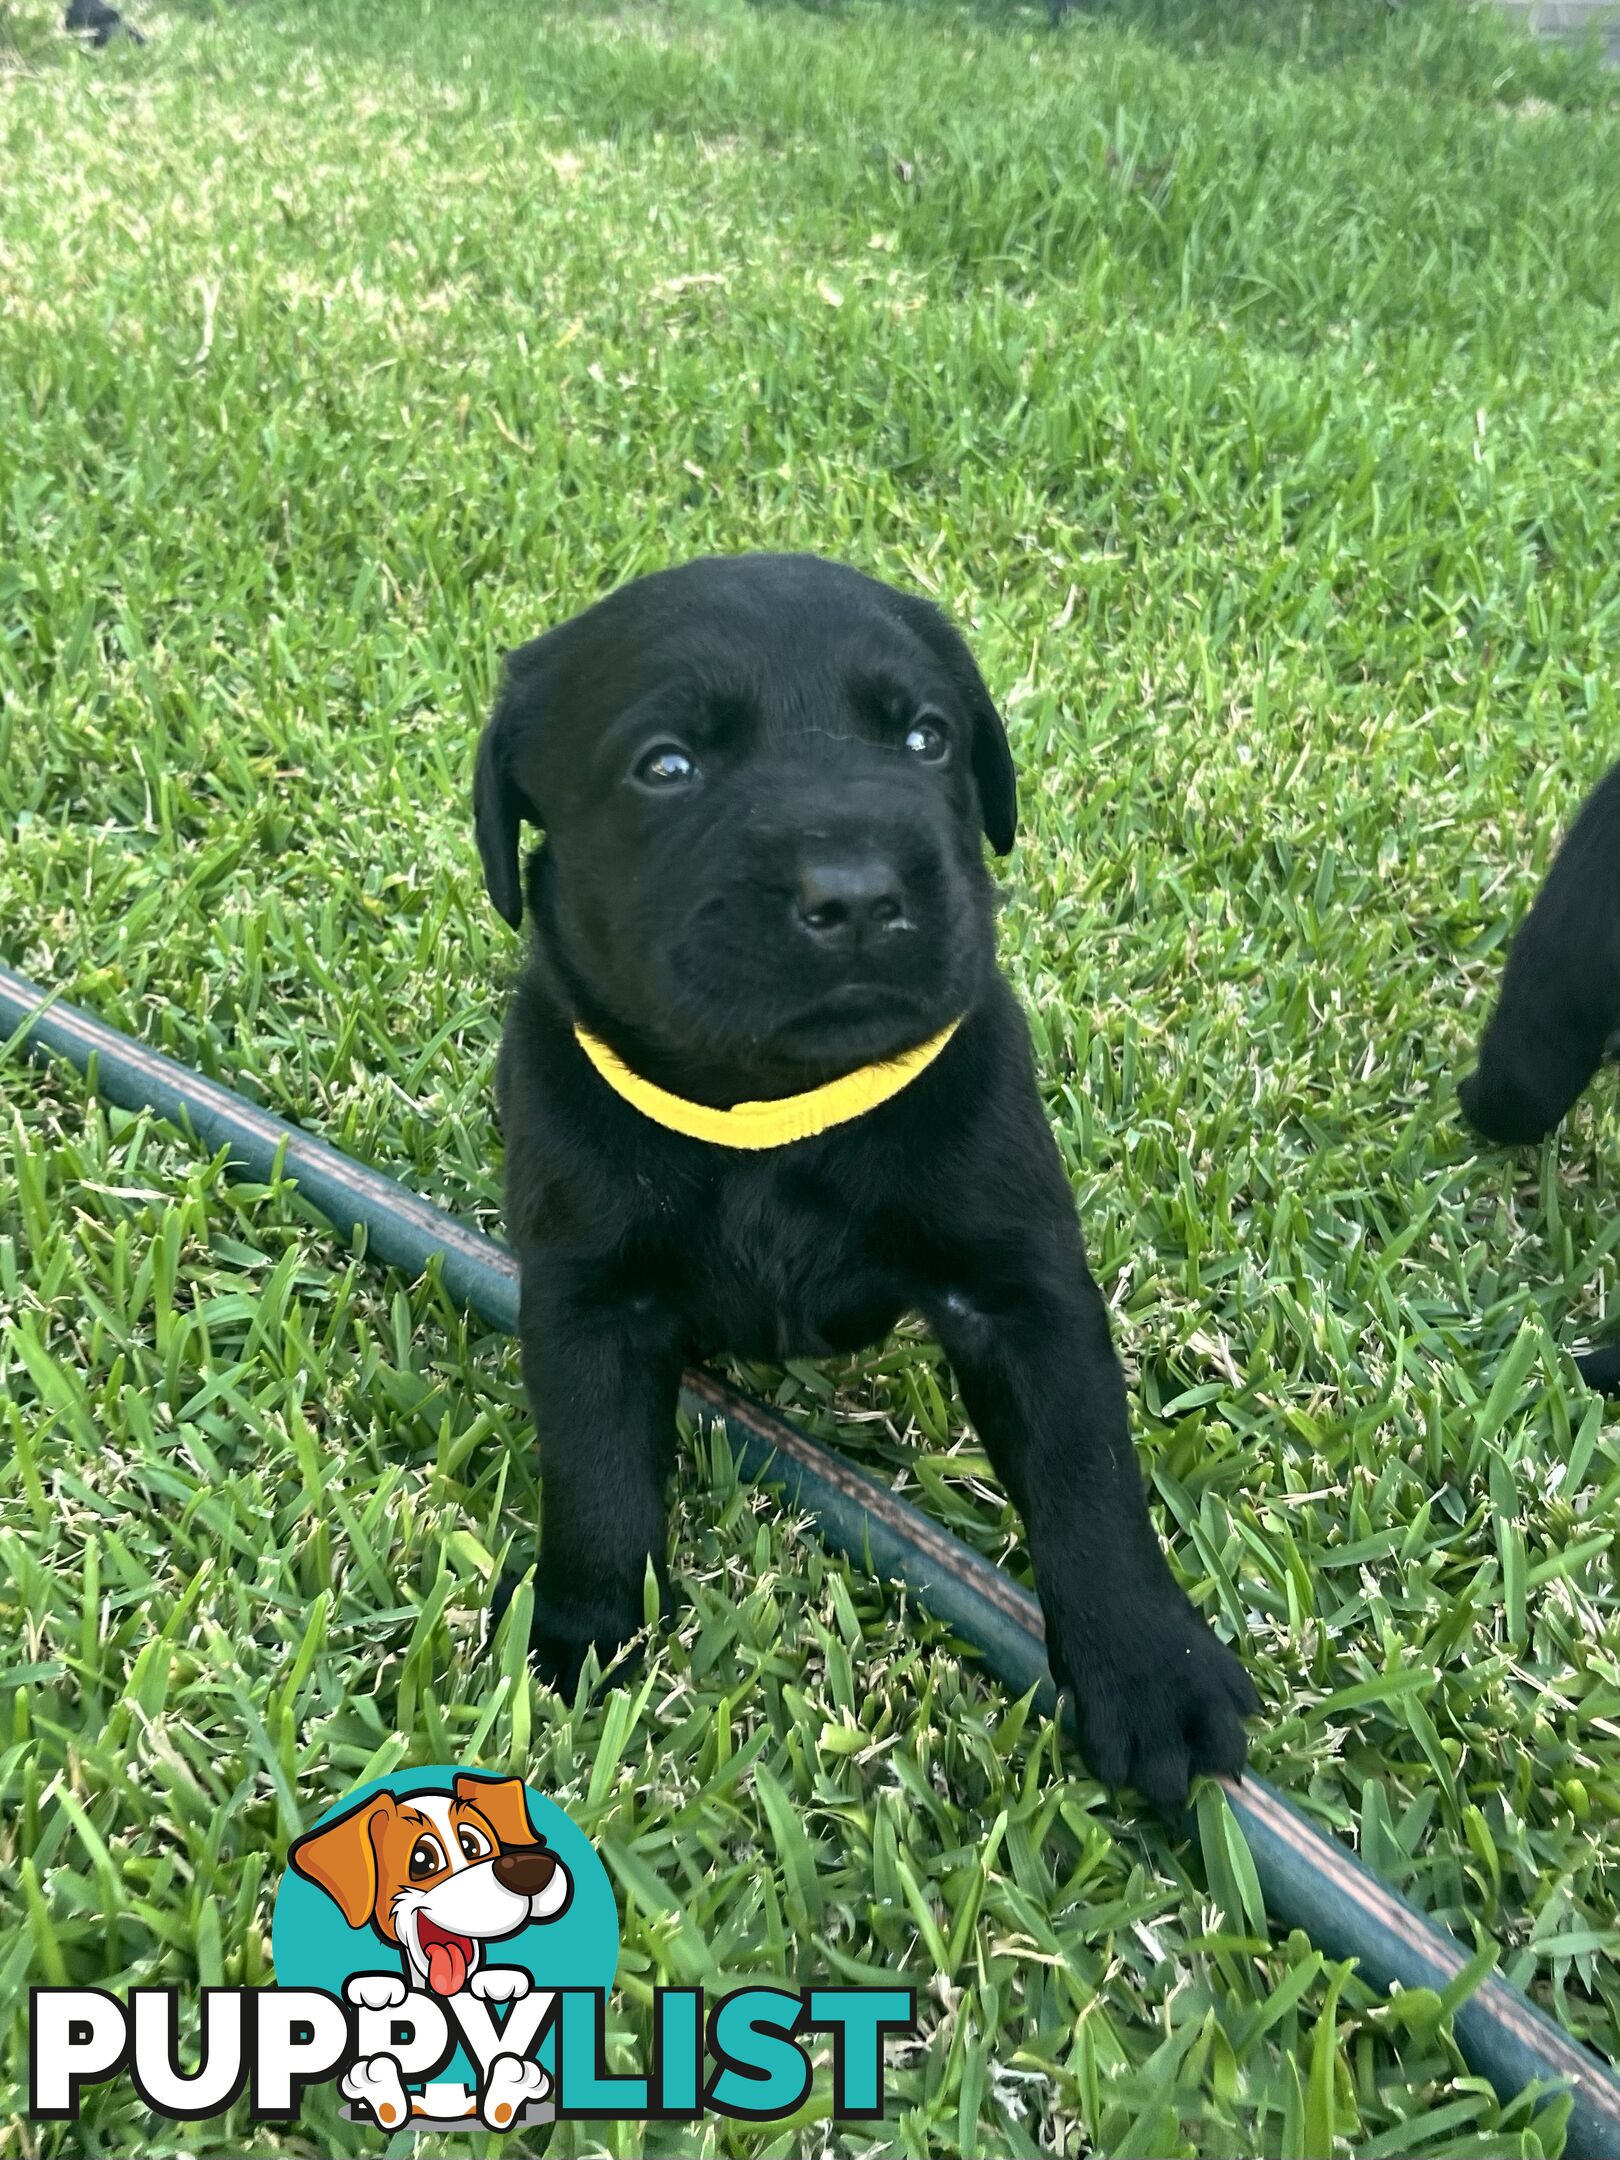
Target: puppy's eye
pixel 666 765
pixel 427 1858
pixel 927 740
pixel 474 1844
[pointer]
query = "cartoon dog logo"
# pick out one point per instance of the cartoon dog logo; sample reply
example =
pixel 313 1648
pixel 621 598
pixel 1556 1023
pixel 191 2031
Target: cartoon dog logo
pixel 439 1876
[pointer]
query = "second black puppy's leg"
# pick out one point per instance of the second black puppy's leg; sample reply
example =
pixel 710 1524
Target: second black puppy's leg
pixel 1157 1695
pixel 1560 999
pixel 602 1384
pixel 1600 1368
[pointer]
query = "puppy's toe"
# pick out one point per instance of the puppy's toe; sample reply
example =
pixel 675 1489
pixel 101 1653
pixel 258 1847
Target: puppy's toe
pixel 376 2082
pixel 375 1991
pixel 1164 1781
pixel 1505 1113
pixel 1105 1739
pixel 513 2081
pixel 1530 1075
pixel 558 1661
pixel 1161 1701
pixel 1216 1742
pixel 1241 1691
pixel 558 1655
pixel 500 1983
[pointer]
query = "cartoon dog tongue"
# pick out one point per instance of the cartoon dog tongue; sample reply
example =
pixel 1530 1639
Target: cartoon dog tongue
pixel 447 1960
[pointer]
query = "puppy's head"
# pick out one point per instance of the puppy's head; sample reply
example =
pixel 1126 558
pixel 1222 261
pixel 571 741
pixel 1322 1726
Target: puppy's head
pixel 438 1874
pixel 763 782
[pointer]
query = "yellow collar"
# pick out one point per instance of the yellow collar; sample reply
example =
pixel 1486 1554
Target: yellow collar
pixel 766 1124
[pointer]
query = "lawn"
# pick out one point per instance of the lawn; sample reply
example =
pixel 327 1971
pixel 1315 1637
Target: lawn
pixel 1245 381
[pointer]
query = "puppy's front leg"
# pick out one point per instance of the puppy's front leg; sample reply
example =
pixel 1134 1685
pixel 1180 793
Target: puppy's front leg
pixel 1559 1007
pixel 602 1377
pixel 1158 1697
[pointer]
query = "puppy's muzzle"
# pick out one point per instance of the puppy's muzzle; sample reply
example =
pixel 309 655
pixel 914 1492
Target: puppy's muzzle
pixel 526 1871
pixel 843 901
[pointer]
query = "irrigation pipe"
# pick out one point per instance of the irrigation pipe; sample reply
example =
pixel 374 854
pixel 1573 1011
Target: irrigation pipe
pixel 1307 1878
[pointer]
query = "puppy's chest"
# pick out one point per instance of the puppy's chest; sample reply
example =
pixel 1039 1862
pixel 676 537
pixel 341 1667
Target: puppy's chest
pixel 787 1268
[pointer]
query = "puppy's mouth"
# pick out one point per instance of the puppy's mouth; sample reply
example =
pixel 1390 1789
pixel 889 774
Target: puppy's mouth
pixel 860 999
pixel 449 1956
pixel 855 1023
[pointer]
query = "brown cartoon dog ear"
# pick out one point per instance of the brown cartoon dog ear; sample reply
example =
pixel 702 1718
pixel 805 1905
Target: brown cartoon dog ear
pixel 341 1857
pixel 500 1801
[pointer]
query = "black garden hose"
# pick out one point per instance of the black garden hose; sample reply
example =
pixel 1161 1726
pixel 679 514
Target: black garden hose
pixel 1308 1879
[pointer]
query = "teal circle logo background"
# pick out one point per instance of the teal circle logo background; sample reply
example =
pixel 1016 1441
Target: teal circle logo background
pixel 312 1945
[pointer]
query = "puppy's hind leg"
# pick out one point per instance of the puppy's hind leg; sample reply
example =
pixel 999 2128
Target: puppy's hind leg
pixel 1559 1010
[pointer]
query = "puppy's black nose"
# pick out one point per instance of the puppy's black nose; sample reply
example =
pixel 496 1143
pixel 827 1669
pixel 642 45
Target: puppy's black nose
pixel 841 901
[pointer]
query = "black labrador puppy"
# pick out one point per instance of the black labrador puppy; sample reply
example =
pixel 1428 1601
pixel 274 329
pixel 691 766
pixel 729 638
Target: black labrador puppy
pixel 763 782
pixel 1558 1015
pixel 100 20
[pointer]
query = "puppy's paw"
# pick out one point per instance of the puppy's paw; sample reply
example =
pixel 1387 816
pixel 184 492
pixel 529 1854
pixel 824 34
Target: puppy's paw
pixel 559 1645
pixel 377 2083
pixel 500 1983
pixel 1545 1042
pixel 375 1991
pixel 513 2080
pixel 557 1660
pixel 1509 1111
pixel 561 1636
pixel 1159 1700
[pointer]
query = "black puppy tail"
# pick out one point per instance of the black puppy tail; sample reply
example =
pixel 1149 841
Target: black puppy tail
pixel 1560 1001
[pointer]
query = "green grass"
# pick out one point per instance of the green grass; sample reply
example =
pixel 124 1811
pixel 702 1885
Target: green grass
pixel 1245 379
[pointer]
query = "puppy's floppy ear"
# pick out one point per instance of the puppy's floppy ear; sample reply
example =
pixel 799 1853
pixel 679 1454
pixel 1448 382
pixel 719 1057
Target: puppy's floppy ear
pixel 993 773
pixel 341 1859
pixel 500 1801
pixel 500 804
